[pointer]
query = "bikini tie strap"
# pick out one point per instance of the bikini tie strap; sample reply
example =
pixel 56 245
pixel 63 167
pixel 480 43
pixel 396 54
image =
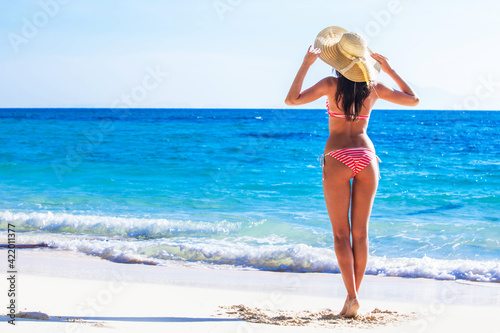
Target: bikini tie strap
pixel 354 102
pixel 379 161
pixel 321 159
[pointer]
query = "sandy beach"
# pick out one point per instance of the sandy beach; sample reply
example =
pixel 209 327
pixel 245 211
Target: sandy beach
pixel 87 294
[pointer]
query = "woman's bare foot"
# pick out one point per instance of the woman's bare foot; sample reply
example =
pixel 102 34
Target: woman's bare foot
pixel 352 308
pixel 344 309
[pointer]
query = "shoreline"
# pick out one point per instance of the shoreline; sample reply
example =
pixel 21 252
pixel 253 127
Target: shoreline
pixel 49 261
pixel 96 293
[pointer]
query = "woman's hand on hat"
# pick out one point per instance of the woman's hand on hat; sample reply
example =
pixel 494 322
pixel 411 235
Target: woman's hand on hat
pixel 311 56
pixel 384 62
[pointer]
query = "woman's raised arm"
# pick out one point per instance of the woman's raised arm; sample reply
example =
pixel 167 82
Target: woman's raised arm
pixel 295 96
pixel 406 96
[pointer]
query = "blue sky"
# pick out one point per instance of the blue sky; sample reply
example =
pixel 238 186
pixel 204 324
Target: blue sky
pixel 236 53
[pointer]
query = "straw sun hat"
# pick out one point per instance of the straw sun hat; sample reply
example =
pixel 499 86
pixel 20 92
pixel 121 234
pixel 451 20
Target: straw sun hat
pixel 347 53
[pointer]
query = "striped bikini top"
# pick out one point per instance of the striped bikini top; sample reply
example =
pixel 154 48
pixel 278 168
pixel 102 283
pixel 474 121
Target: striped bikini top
pixel 340 115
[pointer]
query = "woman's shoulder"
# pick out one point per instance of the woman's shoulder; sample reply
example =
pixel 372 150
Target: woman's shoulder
pixel 379 85
pixel 330 82
pixel 381 89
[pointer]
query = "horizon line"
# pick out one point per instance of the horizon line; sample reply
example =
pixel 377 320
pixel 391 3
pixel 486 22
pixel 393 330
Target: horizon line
pixel 225 108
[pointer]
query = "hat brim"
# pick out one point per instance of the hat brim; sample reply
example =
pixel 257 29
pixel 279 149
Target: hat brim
pixel 327 41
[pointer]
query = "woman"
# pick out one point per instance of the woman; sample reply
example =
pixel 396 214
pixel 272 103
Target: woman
pixel 349 152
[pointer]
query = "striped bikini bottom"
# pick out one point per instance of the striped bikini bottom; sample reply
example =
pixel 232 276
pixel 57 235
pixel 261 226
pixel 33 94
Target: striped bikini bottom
pixel 354 158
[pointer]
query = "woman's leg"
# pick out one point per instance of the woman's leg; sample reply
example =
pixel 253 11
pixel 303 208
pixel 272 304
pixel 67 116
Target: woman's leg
pixel 364 187
pixel 337 192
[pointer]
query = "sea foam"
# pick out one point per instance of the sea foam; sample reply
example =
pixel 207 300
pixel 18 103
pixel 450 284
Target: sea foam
pixel 114 226
pixel 263 253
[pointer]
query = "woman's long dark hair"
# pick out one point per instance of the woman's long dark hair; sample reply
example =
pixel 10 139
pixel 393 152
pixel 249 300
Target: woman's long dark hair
pixel 349 93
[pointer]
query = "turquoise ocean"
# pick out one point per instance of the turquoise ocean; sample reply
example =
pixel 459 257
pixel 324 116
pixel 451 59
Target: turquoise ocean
pixel 242 189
